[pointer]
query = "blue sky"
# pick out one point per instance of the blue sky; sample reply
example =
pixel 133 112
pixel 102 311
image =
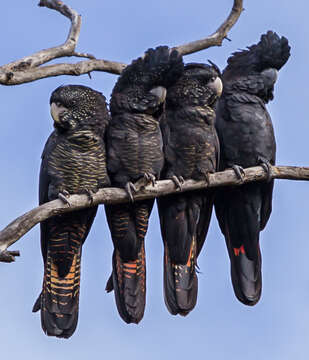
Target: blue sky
pixel 219 327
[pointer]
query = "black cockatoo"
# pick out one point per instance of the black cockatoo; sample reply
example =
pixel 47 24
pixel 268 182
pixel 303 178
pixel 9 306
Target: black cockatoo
pixel 191 152
pixel 247 139
pixel 135 151
pixel 73 161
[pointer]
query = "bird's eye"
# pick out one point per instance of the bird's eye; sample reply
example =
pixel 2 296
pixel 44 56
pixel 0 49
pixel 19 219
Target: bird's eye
pixel 212 79
pixel 58 104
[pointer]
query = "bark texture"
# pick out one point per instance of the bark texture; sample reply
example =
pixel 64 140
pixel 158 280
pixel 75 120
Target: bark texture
pixel 24 223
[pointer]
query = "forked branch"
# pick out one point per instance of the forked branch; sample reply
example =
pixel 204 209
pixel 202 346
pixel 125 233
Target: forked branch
pixel 30 67
pixel 19 227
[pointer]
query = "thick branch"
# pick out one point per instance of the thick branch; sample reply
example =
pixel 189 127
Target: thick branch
pixel 19 227
pixel 42 72
pixel 29 68
pixel 218 36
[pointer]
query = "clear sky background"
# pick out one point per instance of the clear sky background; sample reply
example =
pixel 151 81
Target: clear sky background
pixel 219 327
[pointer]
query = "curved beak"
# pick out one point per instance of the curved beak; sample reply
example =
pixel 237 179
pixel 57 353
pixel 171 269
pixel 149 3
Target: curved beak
pixel 160 93
pixel 217 86
pixel 271 75
pixel 56 111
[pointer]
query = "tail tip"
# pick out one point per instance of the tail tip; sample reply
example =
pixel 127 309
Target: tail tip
pixel 110 284
pixel 37 305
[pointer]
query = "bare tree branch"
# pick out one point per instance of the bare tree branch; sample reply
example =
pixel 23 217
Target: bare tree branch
pixel 19 227
pixel 29 68
pixel 8 256
pixel 82 67
pixel 67 49
pixel 218 36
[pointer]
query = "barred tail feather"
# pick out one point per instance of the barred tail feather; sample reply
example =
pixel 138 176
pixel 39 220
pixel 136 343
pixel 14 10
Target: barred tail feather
pixel 180 283
pixel 129 284
pixel 129 225
pixel 59 299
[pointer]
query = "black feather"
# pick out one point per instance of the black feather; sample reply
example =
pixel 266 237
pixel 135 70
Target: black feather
pixel 247 139
pixel 73 161
pixel 270 52
pixel 191 151
pixel 135 151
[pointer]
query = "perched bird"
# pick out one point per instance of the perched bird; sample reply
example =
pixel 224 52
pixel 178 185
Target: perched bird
pixel 73 161
pixel 134 152
pixel 247 139
pixel 191 152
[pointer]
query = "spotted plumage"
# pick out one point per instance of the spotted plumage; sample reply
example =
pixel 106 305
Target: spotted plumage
pixel 73 161
pixel 191 152
pixel 135 151
pixel 247 139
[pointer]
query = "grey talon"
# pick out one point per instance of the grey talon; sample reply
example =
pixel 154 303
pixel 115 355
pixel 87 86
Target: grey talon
pixel 150 178
pixel 266 165
pixel 129 187
pixel 239 172
pixel 181 179
pixel 207 178
pixel 63 196
pixel 177 181
pixel 65 193
pixel 89 193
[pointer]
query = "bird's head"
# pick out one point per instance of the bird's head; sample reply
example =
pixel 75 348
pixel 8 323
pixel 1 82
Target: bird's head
pixel 272 51
pixel 75 107
pixel 208 82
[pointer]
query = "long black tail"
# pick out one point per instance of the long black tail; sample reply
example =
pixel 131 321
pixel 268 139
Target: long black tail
pixel 180 283
pixel 179 219
pixel 246 273
pixel 240 215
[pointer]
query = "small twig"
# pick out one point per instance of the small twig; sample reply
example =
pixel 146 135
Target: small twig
pixel 19 227
pixel 8 256
pixel 218 36
pixel 84 55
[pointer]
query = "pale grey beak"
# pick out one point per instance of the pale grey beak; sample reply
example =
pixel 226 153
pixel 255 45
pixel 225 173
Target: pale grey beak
pixel 160 92
pixel 271 75
pixel 216 85
pixel 56 111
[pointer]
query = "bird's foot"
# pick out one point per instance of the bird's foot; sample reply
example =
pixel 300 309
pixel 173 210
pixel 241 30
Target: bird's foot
pixel 266 165
pixel 129 188
pixel 63 195
pixel 239 172
pixel 206 175
pixel 90 194
pixel 150 178
pixel 178 181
